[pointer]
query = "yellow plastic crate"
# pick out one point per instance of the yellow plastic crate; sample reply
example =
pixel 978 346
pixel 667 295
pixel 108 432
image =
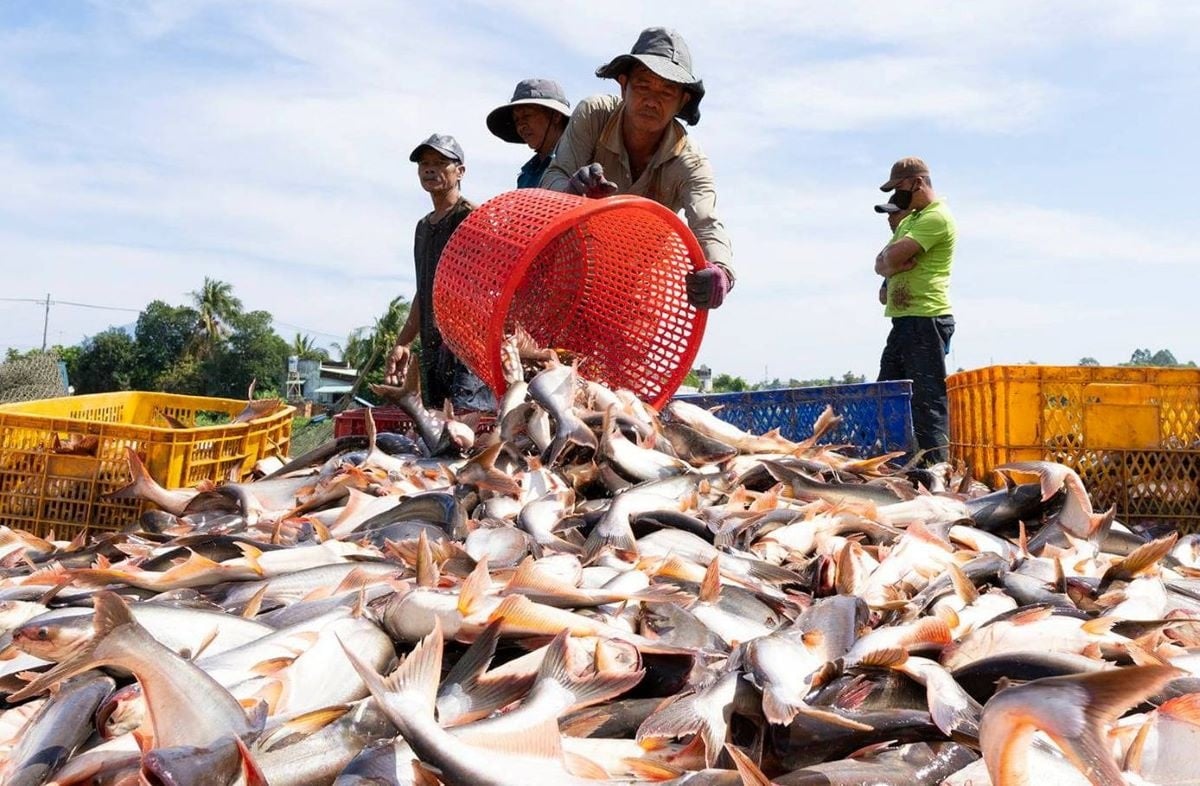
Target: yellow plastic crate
pixel 44 490
pixel 1132 433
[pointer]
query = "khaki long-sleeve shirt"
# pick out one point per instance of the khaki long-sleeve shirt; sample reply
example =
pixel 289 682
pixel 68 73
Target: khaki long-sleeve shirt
pixel 678 176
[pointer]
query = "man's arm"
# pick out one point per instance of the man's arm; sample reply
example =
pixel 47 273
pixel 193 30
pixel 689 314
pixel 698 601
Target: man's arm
pixel 897 257
pixel 698 194
pixel 576 147
pixel 397 360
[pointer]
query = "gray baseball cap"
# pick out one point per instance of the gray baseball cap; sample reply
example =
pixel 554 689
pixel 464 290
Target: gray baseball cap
pixel 889 206
pixel 439 143
pixel 664 52
pixel 536 92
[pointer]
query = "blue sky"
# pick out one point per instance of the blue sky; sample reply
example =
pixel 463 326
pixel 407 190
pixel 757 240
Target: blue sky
pixel 146 145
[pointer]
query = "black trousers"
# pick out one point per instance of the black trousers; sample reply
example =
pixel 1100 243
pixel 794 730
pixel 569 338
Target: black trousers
pixel 447 377
pixel 916 349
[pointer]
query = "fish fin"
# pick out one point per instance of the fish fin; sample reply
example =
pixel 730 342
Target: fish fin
pixel 412 686
pixel 110 613
pixel 1031 615
pixel 1100 626
pixel 676 719
pixel 141 483
pixel 567 434
pixel 583 767
pixel 585 725
pixel 771 574
pixel 305 724
pixel 254 605
pixel 1184 708
pixel 1142 656
pixel 593 689
pixel 1051 476
pixel 813 638
pixel 252 774
pixel 778 709
pixel 426 568
pixel 749 772
pixel 473 588
pixel 930 630
pixel 489 694
pixel 653 769
pixel 1133 754
pixel 265 668
pixel 251 554
pixel 1140 559
pixel 949 615
pixel 884 658
pixel 710 588
pixel 1022 537
pixel 269 695
pixel 963 586
pixel 483 473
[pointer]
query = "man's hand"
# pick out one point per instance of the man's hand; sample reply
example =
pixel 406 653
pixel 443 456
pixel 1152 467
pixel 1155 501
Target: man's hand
pixel 883 293
pixel 397 365
pixel 707 288
pixel 589 181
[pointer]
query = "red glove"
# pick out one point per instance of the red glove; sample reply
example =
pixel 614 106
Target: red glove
pixel 707 288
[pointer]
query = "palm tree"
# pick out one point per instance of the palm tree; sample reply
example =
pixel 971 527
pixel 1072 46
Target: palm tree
pixel 217 306
pixel 305 348
pixel 380 342
pixel 356 350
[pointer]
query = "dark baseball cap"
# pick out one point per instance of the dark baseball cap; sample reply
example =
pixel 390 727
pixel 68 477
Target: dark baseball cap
pixel 888 207
pixel 664 52
pixel 904 169
pixel 439 143
pixel 536 92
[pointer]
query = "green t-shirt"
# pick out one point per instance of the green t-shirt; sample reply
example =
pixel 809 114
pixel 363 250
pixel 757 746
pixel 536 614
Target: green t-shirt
pixel 924 291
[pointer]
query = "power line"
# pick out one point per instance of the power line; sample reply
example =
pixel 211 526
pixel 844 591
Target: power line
pixel 41 301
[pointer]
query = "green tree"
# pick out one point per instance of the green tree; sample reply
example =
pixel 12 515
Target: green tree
pixel 1163 357
pixel 378 344
pixel 106 362
pixel 163 335
pixel 357 348
pixel 253 351
pixel 1088 361
pixel 1140 357
pixel 216 307
pixel 305 348
pixel 724 383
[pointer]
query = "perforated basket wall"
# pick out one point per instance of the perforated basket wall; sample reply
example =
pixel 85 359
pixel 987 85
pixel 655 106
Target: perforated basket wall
pixel 603 278
pixel 42 490
pixel 876 416
pixel 353 422
pixel 1132 434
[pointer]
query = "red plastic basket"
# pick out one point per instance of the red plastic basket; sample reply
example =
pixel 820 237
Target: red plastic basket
pixel 603 278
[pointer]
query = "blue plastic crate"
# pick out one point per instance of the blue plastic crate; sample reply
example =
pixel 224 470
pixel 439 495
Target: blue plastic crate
pixel 876 416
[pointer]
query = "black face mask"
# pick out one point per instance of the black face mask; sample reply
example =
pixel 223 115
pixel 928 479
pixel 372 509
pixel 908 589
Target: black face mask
pixel 902 199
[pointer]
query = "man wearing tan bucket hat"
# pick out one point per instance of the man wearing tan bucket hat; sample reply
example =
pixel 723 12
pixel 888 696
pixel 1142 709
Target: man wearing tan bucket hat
pixel 536 116
pixel 635 144
pixel 917 264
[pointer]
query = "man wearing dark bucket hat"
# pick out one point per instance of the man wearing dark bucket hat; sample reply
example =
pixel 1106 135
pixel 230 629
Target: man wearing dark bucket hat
pixel 536 115
pixel 440 167
pixel 635 144
pixel 917 264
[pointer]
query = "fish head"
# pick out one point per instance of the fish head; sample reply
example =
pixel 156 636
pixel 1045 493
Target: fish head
pixel 53 640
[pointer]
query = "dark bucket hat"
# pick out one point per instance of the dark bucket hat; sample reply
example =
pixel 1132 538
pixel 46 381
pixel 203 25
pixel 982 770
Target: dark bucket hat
pixel 535 92
pixel 439 143
pixel 664 52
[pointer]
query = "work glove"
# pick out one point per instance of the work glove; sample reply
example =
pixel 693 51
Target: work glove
pixel 707 288
pixel 589 181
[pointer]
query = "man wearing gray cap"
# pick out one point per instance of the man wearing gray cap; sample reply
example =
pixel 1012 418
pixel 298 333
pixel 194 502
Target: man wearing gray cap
pixel 917 264
pixel 536 115
pixel 635 144
pixel 440 167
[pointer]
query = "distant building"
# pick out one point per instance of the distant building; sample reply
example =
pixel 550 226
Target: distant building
pixel 325 383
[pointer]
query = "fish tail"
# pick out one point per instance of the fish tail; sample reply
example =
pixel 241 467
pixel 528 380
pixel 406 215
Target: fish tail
pixel 573 432
pixel 410 688
pixel 141 486
pixel 1074 711
pixel 600 538
pixel 751 774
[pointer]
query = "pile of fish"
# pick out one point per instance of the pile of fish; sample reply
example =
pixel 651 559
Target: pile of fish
pixel 590 591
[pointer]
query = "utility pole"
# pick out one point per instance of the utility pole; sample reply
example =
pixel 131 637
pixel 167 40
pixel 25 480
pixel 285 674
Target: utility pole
pixel 46 322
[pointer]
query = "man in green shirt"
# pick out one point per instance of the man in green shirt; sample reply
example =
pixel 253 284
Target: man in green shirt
pixel 916 264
